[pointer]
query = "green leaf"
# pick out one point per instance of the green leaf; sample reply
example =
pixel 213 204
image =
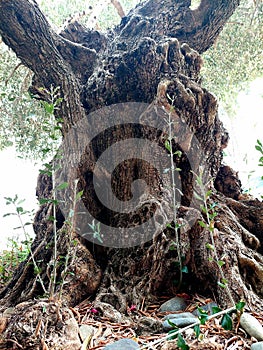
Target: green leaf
pixel 52 218
pixel 44 201
pixel 227 322
pixel 167 145
pixel 71 213
pixel 220 263
pixel 166 170
pixel 79 195
pixel 8 214
pixel 185 269
pixel 172 335
pixel 171 323
pixel 19 210
pixel 215 310
pixel 203 316
pixel 49 107
pixel 62 186
pixel 196 195
pixel 202 223
pixel 222 285
pixel 178 153
pixel 208 193
pixel 181 343
pixel 240 305
pixel 197 330
pixel 210 246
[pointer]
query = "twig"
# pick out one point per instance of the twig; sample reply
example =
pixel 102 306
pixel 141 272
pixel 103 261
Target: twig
pixel 12 73
pixel 15 342
pixel 118 7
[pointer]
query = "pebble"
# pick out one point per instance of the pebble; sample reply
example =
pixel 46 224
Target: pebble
pixel 86 331
pixel 251 325
pixel 179 320
pixel 207 308
pixel 174 304
pixel 123 344
pixel 257 346
pixel 149 325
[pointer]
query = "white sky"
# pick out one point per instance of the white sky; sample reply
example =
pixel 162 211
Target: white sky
pixel 244 131
pixel 17 177
pixel 20 176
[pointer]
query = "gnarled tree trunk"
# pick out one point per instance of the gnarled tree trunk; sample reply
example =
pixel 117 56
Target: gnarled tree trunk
pixel 152 59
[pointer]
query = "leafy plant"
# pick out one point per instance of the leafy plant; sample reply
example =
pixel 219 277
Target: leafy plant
pixel 19 212
pixel 95 227
pixel 175 226
pixel 53 128
pixel 70 224
pixel 11 257
pixel 210 213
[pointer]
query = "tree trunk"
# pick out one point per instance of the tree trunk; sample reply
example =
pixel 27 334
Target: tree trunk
pixel 125 88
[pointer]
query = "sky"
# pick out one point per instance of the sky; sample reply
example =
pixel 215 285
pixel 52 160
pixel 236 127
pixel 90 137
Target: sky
pixel 20 176
pixel 244 131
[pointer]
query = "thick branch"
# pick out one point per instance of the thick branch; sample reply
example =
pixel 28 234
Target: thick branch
pixel 25 29
pixel 198 28
pixel 54 60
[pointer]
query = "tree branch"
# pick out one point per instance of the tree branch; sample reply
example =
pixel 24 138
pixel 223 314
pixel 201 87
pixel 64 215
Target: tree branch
pixel 198 28
pixel 26 31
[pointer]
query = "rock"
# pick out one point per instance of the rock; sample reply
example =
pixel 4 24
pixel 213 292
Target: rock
pixel 257 346
pixel 207 308
pixel 179 320
pixel 123 344
pixel 9 311
pixel 174 304
pixel 111 313
pixel 86 331
pixel 148 325
pixel 251 325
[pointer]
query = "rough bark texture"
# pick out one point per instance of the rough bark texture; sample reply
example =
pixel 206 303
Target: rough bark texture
pixel 153 53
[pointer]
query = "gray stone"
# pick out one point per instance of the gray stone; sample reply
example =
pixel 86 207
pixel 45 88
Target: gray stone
pixel 148 325
pixel 86 331
pixel 178 320
pixel 257 346
pixel 123 344
pixel 251 325
pixel 207 308
pixel 174 304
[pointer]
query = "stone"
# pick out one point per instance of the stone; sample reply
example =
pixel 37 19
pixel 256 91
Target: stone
pixel 148 325
pixel 174 304
pixel 86 331
pixel 179 320
pixel 123 344
pixel 251 325
pixel 257 346
pixel 207 308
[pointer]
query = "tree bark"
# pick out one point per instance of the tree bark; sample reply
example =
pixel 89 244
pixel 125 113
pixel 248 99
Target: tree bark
pixel 153 58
